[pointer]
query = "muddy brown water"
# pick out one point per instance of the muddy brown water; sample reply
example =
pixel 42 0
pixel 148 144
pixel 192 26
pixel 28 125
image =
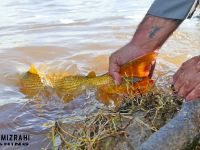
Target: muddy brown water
pixel 73 36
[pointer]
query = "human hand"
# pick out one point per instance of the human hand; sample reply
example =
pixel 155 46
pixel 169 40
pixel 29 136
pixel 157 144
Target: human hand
pixel 187 79
pixel 122 56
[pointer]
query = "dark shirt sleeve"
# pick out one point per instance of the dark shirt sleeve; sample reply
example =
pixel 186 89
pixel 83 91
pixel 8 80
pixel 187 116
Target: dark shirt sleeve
pixel 173 9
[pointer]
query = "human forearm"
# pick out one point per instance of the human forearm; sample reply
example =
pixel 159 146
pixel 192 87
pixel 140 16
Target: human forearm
pixel 153 32
pixel 150 35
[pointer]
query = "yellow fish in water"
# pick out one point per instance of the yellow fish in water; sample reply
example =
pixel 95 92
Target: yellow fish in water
pixel 134 79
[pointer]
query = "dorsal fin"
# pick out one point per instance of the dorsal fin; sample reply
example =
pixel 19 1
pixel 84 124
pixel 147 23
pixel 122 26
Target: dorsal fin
pixel 139 67
pixel 33 69
pixel 91 74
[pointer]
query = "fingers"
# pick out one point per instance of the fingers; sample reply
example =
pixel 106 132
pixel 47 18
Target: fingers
pixel 186 88
pixel 177 74
pixel 187 79
pixel 114 69
pixel 117 78
pixel 184 84
pixel 178 82
pixel 194 94
pixel 175 77
pixel 183 67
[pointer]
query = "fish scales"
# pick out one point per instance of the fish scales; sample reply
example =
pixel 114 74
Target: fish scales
pixel 31 84
pixel 69 87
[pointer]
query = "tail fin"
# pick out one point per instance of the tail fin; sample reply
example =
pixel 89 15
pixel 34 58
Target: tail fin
pixel 139 67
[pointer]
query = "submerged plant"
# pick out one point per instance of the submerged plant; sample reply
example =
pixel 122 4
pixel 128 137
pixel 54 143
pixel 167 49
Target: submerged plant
pixel 100 129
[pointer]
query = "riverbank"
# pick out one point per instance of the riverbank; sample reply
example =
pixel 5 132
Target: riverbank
pixel 124 127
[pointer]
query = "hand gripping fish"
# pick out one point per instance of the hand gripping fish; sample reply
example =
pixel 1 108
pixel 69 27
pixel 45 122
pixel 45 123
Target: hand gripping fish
pixel 134 74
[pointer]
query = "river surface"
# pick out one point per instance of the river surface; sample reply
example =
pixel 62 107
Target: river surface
pixel 76 36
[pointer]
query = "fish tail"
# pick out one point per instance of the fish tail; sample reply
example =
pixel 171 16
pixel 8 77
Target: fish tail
pixel 33 70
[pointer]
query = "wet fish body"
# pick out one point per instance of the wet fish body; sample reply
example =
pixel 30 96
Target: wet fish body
pixel 69 87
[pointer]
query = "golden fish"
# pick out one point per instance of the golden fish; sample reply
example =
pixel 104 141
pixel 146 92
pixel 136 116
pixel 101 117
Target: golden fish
pixel 134 78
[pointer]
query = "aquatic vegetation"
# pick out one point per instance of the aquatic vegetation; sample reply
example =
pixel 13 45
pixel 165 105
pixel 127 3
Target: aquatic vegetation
pixel 109 127
pixel 134 80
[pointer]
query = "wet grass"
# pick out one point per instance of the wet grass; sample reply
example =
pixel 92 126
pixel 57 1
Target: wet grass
pixel 158 106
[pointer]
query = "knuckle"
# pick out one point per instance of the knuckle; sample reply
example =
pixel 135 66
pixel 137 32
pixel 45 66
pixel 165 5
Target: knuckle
pixel 196 58
pixel 183 65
